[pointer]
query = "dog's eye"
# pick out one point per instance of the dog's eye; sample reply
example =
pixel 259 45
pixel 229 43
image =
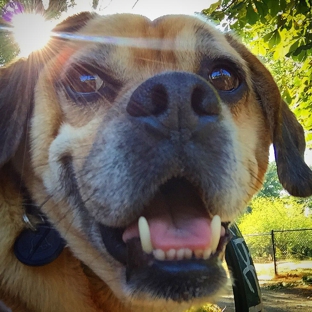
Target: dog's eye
pixel 222 79
pixel 83 83
pixel 86 84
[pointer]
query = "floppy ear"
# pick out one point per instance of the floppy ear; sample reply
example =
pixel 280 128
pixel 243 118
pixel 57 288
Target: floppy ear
pixel 287 134
pixel 16 96
pixel 289 146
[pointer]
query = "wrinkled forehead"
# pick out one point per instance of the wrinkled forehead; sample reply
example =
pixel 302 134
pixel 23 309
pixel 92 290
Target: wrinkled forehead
pixel 131 41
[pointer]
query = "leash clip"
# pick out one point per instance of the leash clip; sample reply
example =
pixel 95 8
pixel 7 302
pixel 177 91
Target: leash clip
pixel 28 223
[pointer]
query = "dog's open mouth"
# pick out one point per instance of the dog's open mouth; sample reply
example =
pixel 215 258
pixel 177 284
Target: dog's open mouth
pixel 175 242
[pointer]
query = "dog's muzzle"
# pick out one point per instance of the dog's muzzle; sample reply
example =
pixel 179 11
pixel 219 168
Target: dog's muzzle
pixel 173 250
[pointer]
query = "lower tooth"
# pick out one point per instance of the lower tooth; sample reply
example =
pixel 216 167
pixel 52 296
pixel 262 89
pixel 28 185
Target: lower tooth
pixel 188 253
pixel 180 254
pixel 207 253
pixel 159 254
pixel 170 254
pixel 198 253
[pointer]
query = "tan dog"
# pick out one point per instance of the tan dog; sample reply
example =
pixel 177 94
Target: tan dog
pixel 164 123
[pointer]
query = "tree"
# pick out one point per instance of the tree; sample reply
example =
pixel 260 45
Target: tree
pixel 271 186
pixel 274 213
pixel 280 32
pixel 277 214
pixel 273 189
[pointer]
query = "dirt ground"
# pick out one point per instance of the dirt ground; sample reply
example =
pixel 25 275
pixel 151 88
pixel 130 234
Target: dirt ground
pixel 297 299
pixel 284 293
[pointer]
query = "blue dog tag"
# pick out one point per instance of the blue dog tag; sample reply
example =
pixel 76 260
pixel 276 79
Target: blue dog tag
pixel 40 247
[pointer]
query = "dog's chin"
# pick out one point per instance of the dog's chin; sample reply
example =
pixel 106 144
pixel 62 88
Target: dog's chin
pixel 188 279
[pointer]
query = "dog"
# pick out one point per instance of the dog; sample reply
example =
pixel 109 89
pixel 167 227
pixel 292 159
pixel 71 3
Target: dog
pixel 127 148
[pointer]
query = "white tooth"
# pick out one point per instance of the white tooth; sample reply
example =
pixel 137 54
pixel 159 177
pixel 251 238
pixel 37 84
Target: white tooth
pixel 198 253
pixel 188 253
pixel 215 232
pixel 180 254
pixel 170 254
pixel 145 235
pixel 207 253
pixel 159 254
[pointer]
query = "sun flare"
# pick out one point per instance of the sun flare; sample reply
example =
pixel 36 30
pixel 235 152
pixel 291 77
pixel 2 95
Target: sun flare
pixel 31 32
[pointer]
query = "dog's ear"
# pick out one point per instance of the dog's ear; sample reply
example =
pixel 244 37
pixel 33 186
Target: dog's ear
pixel 17 83
pixel 287 134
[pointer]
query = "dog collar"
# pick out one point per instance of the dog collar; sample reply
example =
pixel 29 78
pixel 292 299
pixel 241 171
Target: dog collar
pixel 38 244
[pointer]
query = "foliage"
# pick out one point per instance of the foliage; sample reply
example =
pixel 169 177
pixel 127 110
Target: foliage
pixel 281 33
pixel 271 186
pixel 8 49
pixel 277 214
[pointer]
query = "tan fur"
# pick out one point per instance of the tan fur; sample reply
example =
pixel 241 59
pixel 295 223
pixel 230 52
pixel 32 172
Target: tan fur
pixel 86 278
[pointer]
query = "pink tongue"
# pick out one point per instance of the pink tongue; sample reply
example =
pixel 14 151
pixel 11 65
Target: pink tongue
pixel 180 232
pixel 176 220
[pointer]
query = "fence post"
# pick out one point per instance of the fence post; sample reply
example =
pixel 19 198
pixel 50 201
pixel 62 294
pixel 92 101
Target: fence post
pixel 274 252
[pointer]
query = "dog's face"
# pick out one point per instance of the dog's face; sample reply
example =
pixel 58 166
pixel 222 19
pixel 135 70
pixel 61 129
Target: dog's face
pixel 148 140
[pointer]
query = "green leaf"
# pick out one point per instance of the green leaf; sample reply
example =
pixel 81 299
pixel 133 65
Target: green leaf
pixel 252 16
pixel 302 7
pixel 275 8
pixel 293 47
pixel 275 39
pixel 283 5
pixel 262 9
pixel 239 6
pixel 268 36
pixel 297 82
pixel 286 95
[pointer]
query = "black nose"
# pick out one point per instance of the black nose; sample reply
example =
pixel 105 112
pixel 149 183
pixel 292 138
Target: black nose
pixel 177 100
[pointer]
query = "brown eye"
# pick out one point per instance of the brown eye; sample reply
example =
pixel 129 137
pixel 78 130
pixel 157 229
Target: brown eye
pixel 223 80
pixel 87 84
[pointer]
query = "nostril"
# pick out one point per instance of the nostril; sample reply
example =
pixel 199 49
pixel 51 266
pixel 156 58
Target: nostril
pixel 159 99
pixel 149 99
pixel 204 103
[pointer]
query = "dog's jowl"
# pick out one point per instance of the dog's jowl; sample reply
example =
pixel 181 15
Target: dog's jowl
pixel 136 150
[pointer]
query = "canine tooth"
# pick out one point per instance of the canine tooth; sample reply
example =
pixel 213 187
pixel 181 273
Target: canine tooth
pixel 159 254
pixel 215 232
pixel 180 254
pixel 188 253
pixel 207 253
pixel 170 254
pixel 145 235
pixel 198 253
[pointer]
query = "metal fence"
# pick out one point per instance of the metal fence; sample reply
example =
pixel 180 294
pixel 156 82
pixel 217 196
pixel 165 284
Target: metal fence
pixel 280 245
